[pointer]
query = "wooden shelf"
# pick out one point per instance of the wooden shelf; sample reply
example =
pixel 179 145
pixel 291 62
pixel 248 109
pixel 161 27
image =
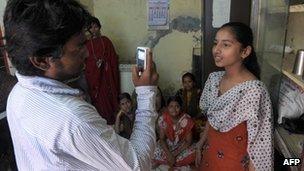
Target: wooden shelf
pixel 288 63
pixel 296 8
pixel 276 10
pixel 287 66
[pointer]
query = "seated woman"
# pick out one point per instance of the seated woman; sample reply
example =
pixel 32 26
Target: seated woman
pixel 174 147
pixel 125 117
pixel 190 96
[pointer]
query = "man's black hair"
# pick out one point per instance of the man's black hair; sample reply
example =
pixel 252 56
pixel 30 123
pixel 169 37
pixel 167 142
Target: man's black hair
pixel 40 28
pixel 95 20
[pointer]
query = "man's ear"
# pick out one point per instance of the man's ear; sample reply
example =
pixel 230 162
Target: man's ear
pixel 42 63
pixel 246 52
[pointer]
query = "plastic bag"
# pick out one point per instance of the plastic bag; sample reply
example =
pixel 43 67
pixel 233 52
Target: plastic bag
pixel 291 102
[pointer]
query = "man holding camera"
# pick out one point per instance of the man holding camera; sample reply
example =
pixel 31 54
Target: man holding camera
pixel 52 127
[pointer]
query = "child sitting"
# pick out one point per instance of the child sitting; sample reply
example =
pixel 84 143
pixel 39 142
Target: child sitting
pixel 174 147
pixel 125 117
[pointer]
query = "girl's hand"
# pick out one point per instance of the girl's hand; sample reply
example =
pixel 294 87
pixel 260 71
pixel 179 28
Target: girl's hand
pixel 198 157
pixel 120 113
pixel 117 126
pixel 201 142
pixel 199 147
pixel 171 160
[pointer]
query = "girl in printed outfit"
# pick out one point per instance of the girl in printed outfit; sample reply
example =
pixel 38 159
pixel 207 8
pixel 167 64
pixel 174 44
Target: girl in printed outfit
pixel 238 134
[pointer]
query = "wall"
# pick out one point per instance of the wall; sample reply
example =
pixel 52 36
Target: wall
pixel 124 22
pixel 2 7
pixel 89 4
pixel 295 31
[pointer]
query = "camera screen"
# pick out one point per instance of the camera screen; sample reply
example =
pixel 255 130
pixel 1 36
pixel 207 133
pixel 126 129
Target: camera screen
pixel 141 55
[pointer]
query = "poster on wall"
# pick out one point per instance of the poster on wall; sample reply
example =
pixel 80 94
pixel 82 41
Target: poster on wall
pixel 221 12
pixel 158 14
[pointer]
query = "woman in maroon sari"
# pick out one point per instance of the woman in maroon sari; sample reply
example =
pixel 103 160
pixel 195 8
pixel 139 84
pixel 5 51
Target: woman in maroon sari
pixel 102 73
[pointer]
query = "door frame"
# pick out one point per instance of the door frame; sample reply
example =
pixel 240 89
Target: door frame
pixel 240 10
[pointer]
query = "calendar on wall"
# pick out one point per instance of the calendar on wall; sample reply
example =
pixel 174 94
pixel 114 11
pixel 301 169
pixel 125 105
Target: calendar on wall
pixel 158 14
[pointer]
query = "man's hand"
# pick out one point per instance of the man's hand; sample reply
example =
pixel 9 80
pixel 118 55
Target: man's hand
pixel 149 76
